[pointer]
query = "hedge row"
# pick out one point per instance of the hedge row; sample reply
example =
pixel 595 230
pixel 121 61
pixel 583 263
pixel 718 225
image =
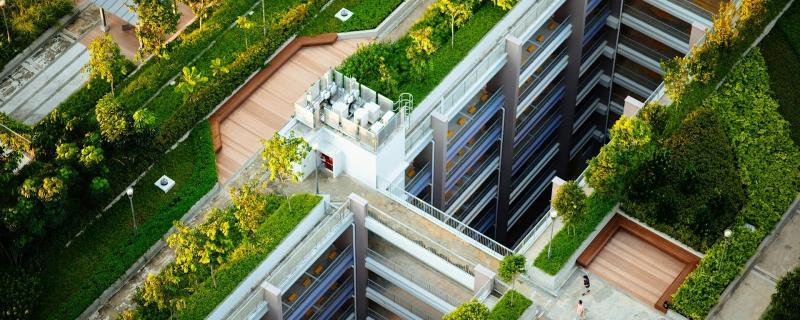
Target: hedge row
pixel 511 306
pixel 768 163
pixel 781 50
pixel 73 277
pixel 567 240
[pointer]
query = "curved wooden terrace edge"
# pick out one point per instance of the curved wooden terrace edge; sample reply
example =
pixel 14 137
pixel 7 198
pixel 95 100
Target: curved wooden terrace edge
pixel 262 76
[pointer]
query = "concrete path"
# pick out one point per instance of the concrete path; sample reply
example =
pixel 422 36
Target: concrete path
pixel 751 298
pixel 402 28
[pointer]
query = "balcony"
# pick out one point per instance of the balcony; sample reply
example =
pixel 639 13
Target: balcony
pixel 535 141
pixel 596 23
pixel 471 154
pixel 690 11
pixel 657 24
pixel 542 44
pixel 538 187
pixel 469 120
pixel 399 302
pixel 315 282
pixel 416 181
pixel 532 116
pixel 327 305
pixel 523 178
pixel 597 74
pixel 468 211
pixel 646 55
pixel 473 178
pixel 586 112
pixel 595 50
pixel 635 78
pixel 533 86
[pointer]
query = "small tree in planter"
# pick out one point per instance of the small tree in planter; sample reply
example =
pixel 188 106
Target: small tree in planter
pixel 245 23
pixel 510 267
pixel 458 12
pixel 280 155
pixel 570 203
pixel 105 60
pixel 156 22
pixel 471 310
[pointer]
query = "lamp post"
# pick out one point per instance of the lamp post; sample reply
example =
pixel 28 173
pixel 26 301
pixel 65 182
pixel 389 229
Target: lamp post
pixel 129 192
pixel 5 22
pixel 553 216
pixel 727 235
pixel 316 165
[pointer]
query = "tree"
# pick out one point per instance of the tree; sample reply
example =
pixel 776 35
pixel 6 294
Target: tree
pixel 105 60
pixel 570 203
pixel 111 118
pixel 191 79
pixel 215 242
pixel 420 50
pixel 505 4
pixel 217 68
pixel 250 206
pixel 91 156
pixel 471 310
pixel 630 147
pixel 156 22
pixel 458 12
pixel 510 267
pixel 785 300
pixel 280 155
pixel 245 24
pixel 200 8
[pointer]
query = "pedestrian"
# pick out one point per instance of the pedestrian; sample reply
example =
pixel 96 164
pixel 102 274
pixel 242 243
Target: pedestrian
pixel 586 284
pixel 579 310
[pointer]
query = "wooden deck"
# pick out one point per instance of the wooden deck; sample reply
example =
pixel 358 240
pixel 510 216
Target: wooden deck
pixel 269 107
pixel 637 260
pixel 636 266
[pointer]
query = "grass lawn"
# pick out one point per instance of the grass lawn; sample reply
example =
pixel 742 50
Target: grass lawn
pixel 511 306
pixel 73 277
pixel 367 14
pixel 781 50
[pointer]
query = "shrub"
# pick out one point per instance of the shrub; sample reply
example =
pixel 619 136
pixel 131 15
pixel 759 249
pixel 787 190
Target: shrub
pixel 470 310
pixel 20 291
pixel 510 266
pixel 785 300
pixel 511 306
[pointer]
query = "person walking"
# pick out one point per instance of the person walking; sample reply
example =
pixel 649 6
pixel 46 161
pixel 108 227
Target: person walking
pixel 586 284
pixel 579 310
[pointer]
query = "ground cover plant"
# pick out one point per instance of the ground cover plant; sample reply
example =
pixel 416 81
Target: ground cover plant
pixel 417 62
pixel 367 14
pixel 27 20
pixel 184 290
pixel 111 245
pixel 781 50
pixel 511 306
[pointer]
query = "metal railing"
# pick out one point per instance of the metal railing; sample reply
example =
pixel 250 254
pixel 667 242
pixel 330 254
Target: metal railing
pixel 409 306
pixel 541 47
pixel 456 227
pixel 661 24
pixel 406 273
pixel 484 291
pixel 654 54
pixel 345 286
pixel 428 244
pixel 637 76
pixel 317 281
pixel 313 242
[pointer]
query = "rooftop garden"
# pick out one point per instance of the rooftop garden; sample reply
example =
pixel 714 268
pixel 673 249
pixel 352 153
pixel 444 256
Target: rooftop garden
pixel 367 14
pixel 511 306
pixel 214 257
pixel 27 20
pixel 781 50
pixel 99 140
pixel 417 62
pixel 714 159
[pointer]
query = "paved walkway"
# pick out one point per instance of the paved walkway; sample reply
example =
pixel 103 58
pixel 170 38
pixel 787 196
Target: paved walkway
pixel 752 296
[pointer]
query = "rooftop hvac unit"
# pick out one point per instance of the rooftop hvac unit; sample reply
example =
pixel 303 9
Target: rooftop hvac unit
pixel 362 117
pixel 374 111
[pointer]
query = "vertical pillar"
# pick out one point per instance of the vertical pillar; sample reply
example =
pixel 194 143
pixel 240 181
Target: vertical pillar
pixel 358 206
pixel 510 82
pixel 698 30
pixel 439 126
pixel 274 296
pixel 632 107
pixel 484 278
pixel 104 26
pixel 576 10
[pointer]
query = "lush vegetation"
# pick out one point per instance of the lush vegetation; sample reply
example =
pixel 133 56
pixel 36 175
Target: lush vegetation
pixel 781 50
pixel 223 248
pixel 768 165
pixel 417 62
pixel 566 242
pixel 27 20
pixel 510 306
pixel 367 14
pixel 74 276
pixel 470 310
pixel 570 203
pixel 785 300
pixel 511 266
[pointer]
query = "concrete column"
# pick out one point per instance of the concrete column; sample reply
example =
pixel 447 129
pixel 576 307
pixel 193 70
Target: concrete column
pixel 698 30
pixel 358 206
pixel 104 26
pixel 439 125
pixel 483 275
pixel 576 10
pixel 632 107
pixel 274 297
pixel 509 79
pixel 557 184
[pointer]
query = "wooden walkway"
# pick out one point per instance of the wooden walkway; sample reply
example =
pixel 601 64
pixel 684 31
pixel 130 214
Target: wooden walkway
pixel 636 266
pixel 268 109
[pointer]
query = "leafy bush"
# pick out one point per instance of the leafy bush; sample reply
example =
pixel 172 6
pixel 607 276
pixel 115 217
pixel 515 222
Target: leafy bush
pixel 781 50
pixel 565 243
pixel 470 310
pixel 768 165
pixel 367 14
pixel 20 290
pixel 510 266
pixel 511 306
pixel 785 301
pixel 570 203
